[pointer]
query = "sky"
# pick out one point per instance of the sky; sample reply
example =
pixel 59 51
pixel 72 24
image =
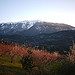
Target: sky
pixel 56 11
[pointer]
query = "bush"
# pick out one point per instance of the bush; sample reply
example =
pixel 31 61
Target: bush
pixel 27 63
pixel 67 68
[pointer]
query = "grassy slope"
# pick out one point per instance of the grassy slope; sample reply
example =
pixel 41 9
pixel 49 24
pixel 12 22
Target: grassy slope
pixel 7 68
pixel 54 68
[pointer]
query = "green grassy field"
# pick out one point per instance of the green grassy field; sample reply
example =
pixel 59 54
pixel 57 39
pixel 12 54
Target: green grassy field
pixel 7 68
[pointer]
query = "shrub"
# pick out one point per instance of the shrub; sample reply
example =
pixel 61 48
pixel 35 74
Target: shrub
pixel 67 68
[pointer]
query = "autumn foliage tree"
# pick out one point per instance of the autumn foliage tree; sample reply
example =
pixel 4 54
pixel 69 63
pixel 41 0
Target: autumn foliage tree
pixel 11 49
pixel 20 51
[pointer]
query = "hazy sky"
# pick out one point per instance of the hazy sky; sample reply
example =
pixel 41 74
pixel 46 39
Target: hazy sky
pixel 60 11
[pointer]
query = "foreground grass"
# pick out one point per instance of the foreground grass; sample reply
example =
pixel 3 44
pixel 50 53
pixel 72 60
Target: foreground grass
pixel 52 68
pixel 7 68
pixel 6 60
pixel 11 70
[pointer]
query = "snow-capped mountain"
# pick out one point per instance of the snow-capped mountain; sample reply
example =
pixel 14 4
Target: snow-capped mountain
pixel 7 28
pixel 32 27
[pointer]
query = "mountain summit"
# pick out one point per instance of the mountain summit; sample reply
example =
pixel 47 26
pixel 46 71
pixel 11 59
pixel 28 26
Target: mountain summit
pixel 33 27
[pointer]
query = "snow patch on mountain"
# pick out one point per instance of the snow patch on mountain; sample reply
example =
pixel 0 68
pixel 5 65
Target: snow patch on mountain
pixel 38 28
pixel 12 27
pixel 17 26
pixel 28 24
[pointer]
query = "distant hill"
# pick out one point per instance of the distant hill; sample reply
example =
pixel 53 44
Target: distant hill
pixel 58 41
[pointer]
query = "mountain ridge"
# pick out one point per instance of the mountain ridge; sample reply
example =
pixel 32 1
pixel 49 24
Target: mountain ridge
pixel 33 27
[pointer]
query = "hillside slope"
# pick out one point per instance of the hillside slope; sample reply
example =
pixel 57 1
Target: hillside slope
pixel 58 41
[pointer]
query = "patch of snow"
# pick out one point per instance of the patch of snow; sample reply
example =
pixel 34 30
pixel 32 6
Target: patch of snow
pixel 28 24
pixel 23 25
pixel 52 24
pixel 38 28
pixel 73 28
pixel 2 24
pixel 12 27
pixel 2 27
